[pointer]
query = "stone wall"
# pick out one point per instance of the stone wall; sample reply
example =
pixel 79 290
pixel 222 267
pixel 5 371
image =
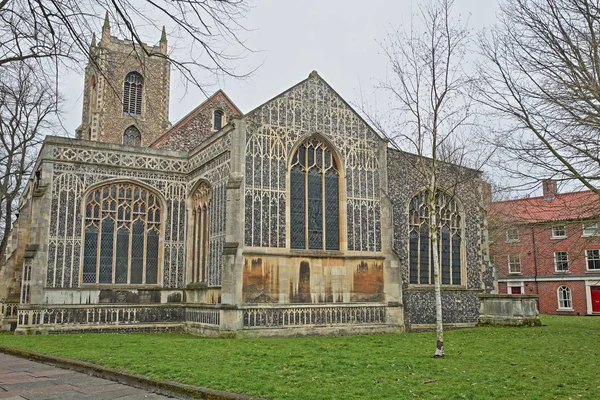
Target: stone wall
pixel 503 309
pixel 460 302
pixel 102 117
pixel 197 126
pixel 74 166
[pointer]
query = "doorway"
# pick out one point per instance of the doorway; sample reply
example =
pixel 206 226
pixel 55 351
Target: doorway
pixel 595 294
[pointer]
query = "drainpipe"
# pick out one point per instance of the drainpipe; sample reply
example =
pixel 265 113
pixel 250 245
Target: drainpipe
pixel 535 266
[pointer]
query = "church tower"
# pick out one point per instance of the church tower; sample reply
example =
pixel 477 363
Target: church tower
pixel 126 91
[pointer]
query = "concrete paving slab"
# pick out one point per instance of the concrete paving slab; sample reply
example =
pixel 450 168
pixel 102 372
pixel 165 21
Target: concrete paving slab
pixel 28 380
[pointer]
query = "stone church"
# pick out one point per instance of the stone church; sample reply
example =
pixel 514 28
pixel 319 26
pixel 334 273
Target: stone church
pixel 293 218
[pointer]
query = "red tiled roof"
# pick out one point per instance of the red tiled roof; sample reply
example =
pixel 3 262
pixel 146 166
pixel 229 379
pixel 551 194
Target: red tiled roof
pixel 563 207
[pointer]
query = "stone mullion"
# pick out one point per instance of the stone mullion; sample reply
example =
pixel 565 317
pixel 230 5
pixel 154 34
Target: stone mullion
pixel 64 234
pixel 306 246
pixel 74 194
pixel 57 243
pixel 205 242
pixel 145 252
pixel 194 244
pixel 323 209
pixel 114 245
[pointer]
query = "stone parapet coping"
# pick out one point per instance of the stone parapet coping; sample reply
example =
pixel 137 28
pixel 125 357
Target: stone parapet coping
pixel 167 388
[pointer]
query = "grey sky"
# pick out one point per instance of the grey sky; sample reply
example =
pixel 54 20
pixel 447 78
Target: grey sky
pixel 340 39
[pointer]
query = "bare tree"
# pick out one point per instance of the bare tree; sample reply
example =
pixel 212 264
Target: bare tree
pixel 61 31
pixel 27 113
pixel 429 88
pixel 541 80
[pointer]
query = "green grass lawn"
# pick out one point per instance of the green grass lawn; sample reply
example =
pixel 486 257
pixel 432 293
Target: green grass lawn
pixel 558 360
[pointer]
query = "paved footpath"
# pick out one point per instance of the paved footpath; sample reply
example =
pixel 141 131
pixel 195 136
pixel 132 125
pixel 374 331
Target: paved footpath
pixel 23 379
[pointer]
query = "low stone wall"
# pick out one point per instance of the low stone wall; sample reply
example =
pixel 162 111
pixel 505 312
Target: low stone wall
pixel 210 320
pixel 509 309
pixel 8 316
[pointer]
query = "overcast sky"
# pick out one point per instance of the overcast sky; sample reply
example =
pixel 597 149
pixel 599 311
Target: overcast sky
pixel 338 38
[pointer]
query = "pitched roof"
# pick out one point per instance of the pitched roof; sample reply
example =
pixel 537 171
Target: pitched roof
pixel 315 75
pixel 562 207
pixel 186 119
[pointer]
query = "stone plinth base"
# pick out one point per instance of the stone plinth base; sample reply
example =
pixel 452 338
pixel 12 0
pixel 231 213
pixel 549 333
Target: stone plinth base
pixel 509 309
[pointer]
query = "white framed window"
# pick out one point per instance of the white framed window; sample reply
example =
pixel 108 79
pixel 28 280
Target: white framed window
pixel 592 259
pixel 559 231
pixel 565 301
pixel 512 235
pixel 561 261
pixel 515 288
pixel 514 263
pixel 590 228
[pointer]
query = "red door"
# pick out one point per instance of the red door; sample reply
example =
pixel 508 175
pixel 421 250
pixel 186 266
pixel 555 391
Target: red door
pixel 595 290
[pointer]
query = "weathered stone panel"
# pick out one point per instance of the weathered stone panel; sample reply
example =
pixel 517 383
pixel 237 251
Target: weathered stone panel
pixel 311 280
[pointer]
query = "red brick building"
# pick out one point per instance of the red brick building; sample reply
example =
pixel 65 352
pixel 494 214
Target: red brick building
pixel 550 246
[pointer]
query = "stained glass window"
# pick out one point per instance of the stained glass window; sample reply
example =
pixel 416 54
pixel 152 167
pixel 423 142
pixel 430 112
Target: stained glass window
pixel 122 229
pixel 314 197
pixel 449 238
pixel 132 136
pixel 201 216
pixel 132 93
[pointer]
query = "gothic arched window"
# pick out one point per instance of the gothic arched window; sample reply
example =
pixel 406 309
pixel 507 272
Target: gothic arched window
pixel 201 215
pixel 449 236
pixel 314 197
pixel 121 239
pixel 132 93
pixel 218 120
pixel 132 136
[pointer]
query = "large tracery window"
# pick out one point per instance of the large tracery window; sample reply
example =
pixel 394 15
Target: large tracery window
pixel 132 136
pixel 314 197
pixel 121 240
pixel 132 93
pixel 201 215
pixel 449 238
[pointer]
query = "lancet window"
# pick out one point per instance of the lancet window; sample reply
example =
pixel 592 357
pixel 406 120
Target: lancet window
pixel 200 249
pixel 121 235
pixel 132 93
pixel 132 136
pixel 218 118
pixel 449 239
pixel 314 197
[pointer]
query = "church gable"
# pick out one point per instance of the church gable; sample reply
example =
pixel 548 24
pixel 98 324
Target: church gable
pixel 273 132
pixel 200 124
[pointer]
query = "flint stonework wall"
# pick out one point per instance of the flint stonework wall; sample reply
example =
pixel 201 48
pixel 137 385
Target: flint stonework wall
pixel 195 128
pixel 460 303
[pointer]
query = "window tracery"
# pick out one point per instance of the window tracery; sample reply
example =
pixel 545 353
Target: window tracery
pixel 314 197
pixel 132 137
pixel 132 93
pixel 449 236
pixel 121 235
pixel 201 219
pixel 273 130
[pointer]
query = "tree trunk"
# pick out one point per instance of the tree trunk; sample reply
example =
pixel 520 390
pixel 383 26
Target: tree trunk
pixel 439 326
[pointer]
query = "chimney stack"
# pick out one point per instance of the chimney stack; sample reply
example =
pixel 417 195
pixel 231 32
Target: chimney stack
pixel 549 189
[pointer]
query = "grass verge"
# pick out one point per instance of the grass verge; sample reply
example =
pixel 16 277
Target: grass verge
pixel 557 360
